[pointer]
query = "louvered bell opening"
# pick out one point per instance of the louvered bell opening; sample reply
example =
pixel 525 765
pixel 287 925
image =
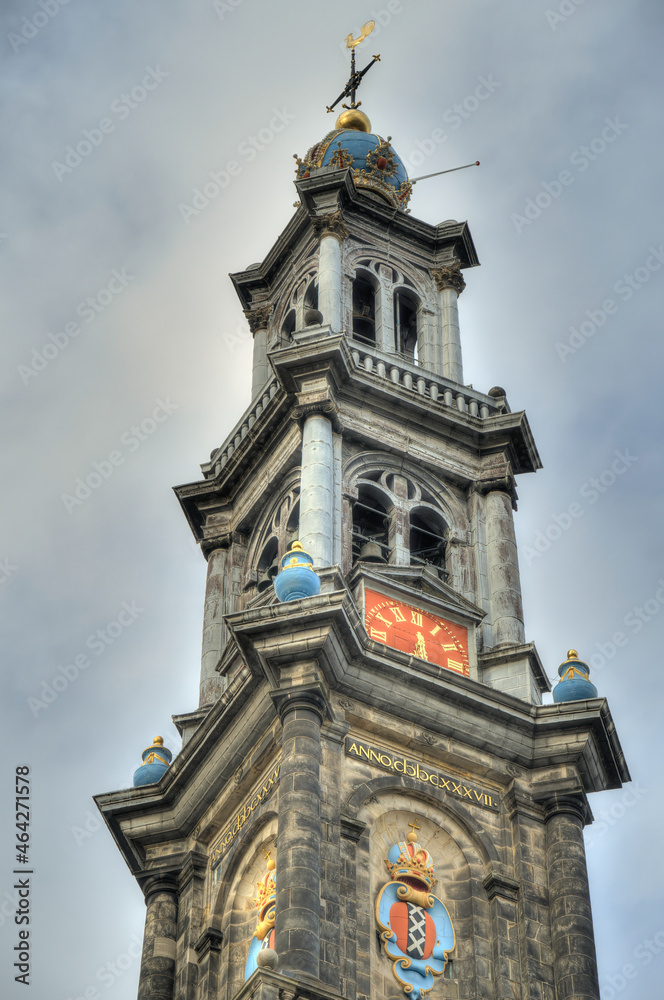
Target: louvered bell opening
pixel 364 310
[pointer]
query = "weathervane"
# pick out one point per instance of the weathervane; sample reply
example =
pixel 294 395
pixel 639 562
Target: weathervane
pixel 355 77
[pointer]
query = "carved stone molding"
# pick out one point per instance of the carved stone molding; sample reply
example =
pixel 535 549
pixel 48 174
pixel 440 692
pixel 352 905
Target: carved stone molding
pixel 210 940
pixel 331 224
pixel 258 317
pixel 498 883
pixel 449 276
pixel 194 866
pixel 352 829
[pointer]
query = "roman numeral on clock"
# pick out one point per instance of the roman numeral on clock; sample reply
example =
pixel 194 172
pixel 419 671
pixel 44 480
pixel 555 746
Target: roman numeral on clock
pixel 398 616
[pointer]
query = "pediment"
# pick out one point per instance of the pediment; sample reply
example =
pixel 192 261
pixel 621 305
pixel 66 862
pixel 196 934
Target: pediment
pixel 416 583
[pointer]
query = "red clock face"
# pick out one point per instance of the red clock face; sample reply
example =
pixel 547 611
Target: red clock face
pixel 417 632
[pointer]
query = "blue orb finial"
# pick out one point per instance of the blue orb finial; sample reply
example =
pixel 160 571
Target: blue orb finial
pixel 156 761
pixel 297 578
pixel 574 683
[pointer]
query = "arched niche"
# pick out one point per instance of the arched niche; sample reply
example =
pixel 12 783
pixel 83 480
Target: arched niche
pixel 233 906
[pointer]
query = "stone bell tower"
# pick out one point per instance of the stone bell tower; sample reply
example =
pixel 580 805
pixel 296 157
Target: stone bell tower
pixel 371 800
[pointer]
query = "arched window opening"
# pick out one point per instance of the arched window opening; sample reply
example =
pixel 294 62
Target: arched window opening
pixel 364 309
pixel 405 323
pixel 427 540
pixel 310 301
pixel 293 526
pixel 371 529
pixel 288 326
pixel 268 565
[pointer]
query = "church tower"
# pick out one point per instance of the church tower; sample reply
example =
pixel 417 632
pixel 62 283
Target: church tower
pixel 371 801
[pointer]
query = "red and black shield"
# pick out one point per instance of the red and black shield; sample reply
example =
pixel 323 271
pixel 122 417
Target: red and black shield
pixel 414 928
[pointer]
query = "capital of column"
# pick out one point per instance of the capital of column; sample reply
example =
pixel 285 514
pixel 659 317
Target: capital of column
pixel 160 882
pixel 258 317
pixel 209 545
pixel 573 803
pixel 331 224
pixel 311 696
pixel 449 276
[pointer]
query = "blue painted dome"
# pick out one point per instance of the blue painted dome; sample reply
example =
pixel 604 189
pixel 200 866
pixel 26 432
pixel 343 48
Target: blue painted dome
pixel 372 161
pixel 574 683
pixel 156 761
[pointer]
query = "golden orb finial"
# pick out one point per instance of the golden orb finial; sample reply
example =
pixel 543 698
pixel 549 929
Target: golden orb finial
pixel 353 118
pixel 572 654
pixel 412 836
pixel 158 741
pixel 296 547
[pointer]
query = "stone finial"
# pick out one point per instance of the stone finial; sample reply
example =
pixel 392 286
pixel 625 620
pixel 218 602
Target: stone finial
pixel 449 276
pixel 331 224
pixel 258 317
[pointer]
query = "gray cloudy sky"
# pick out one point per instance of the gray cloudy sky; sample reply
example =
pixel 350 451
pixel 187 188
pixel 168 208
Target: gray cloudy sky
pixel 566 215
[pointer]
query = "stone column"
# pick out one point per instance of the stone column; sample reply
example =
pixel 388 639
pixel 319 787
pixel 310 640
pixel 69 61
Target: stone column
pixel 214 628
pixel 157 974
pixel 331 231
pixel 302 710
pixel 258 319
pixel 450 284
pixel 572 937
pixel 503 570
pixel 316 489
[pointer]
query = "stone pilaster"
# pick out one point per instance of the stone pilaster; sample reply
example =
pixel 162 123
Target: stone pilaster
pixel 331 231
pixel 258 320
pixel 503 570
pixel 298 944
pixel 450 283
pixel 572 937
pixel 214 628
pixel 157 975
pixel 190 922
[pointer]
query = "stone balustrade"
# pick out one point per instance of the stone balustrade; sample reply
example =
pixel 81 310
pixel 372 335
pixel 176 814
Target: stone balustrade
pixel 423 383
